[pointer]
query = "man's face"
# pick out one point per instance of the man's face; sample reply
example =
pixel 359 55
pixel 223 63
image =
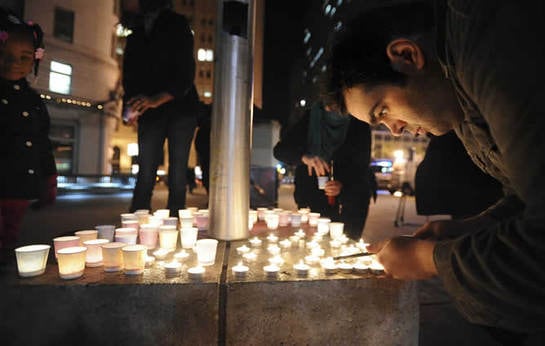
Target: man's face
pixel 398 108
pixel 16 59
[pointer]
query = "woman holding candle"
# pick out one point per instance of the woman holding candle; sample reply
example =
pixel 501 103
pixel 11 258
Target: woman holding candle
pixel 28 169
pixel 311 144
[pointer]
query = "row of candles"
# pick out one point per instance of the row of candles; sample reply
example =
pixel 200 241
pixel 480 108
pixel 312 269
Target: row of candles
pixel 92 248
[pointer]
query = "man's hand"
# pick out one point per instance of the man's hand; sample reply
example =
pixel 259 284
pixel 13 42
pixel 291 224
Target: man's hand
pixel 315 162
pixel 142 103
pixel 406 258
pixel 333 188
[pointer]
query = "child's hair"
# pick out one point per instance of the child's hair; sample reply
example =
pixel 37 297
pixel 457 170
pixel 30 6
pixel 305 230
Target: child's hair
pixel 13 27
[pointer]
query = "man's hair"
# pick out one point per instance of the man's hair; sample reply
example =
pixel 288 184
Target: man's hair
pixel 357 54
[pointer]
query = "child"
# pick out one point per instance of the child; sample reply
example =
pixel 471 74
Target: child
pixel 27 166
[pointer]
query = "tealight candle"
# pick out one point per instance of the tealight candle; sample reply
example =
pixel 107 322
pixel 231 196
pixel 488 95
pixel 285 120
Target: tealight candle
pixel 161 254
pixel 313 219
pixel 286 243
pixel 86 235
pixel 250 256
pixel 300 233
pixel 243 249
pixel 271 238
pixel 181 256
pixel 240 270
pixel 272 220
pixel 329 266
pixel 301 269
pixel 278 260
pixel 376 267
pixel 196 273
pixel 71 262
pixel 112 256
pixel 362 245
pixel 255 242
pixel 273 249
pixel 323 225
pixel 336 230
pixel 312 244
pixel 310 259
pixel 271 270
pixel 317 251
pixel 335 244
pixel 361 268
pixel 134 259
pixel 345 268
pixel 172 268
pixel 168 237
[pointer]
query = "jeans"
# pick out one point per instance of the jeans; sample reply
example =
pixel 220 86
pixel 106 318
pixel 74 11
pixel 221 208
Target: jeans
pixel 154 127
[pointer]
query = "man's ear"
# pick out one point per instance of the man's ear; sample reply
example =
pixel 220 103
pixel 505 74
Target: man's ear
pixel 405 55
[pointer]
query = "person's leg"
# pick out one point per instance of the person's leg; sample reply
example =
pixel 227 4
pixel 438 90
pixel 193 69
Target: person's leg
pixel 11 217
pixel 180 134
pixel 151 137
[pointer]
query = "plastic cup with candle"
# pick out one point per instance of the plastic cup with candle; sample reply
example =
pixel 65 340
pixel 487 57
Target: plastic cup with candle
pixel 112 256
pixel 301 269
pixel 295 219
pixel 185 213
pixel 271 238
pixel 304 214
pixel 130 224
pixel 32 259
pixel 126 235
pixel 170 221
pixel 336 230
pixel 85 235
pixel 134 259
pixel 181 256
pixel 329 266
pixel 272 220
pixel 105 232
pixel 173 268
pixel 93 256
pixel 345 267
pixel 240 270
pixel 285 243
pixel 189 237
pixel 162 213
pixel 201 221
pixel 313 219
pixel 186 221
pixel 243 249
pixel 284 218
pixel 196 273
pixel 168 237
pixel 67 241
pixel 149 234
pixel 322 225
pixel 155 220
pixel 128 216
pixel 206 251
pixel 261 213
pixel 252 216
pixel 71 262
pixel 142 215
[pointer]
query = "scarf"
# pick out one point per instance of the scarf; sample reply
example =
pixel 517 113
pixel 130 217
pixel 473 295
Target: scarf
pixel 326 131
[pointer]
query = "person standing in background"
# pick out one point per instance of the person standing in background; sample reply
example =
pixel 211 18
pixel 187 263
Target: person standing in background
pixel 158 74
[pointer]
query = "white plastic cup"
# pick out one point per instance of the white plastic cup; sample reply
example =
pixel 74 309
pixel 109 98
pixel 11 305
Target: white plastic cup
pixel 71 262
pixel 322 180
pixel 296 219
pixel 168 237
pixel 206 251
pixel 323 225
pixel 67 241
pixel 336 230
pixel 85 235
pixel 284 218
pixel 189 237
pixel 93 257
pixel 105 232
pixel 134 259
pixel 272 219
pixel 128 216
pixel 112 256
pixel 32 259
pixel 149 234
pixel 313 219
pixel 186 221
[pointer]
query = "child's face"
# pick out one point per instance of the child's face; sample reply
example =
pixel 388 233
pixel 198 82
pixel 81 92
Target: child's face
pixel 16 59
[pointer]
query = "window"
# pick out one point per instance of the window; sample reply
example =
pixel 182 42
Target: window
pixel 63 27
pixel 63 140
pixel 207 94
pixel 205 54
pixel 60 77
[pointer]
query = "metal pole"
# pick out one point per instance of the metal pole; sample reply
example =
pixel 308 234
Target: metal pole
pixel 232 120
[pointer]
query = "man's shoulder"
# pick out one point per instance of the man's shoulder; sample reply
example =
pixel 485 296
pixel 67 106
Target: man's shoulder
pixel 172 17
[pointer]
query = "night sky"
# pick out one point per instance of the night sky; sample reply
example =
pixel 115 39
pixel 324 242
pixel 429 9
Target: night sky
pixel 282 47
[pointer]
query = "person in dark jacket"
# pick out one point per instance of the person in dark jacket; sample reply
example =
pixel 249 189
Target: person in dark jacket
pixel 158 73
pixel 475 67
pixel 28 169
pixel 317 139
pixel 447 182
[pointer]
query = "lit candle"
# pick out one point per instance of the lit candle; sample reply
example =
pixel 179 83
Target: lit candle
pixel 94 252
pixel 243 249
pixel 300 233
pixel 32 259
pixel 278 260
pixel 329 266
pixel 335 244
pixel 273 249
pixel 301 269
pixel 361 267
pixel 181 256
pixel 376 267
pixel 71 262
pixel 149 261
pixel 161 254
pixel 250 256
pixel 271 238
pixel 343 239
pixel 345 268
pixel 362 245
pixel 255 242
pixel 196 273
pixel 317 251
pixel 271 270
pixel 172 268
pixel 240 270
pixel 286 243
pixel 310 259
pixel 312 244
